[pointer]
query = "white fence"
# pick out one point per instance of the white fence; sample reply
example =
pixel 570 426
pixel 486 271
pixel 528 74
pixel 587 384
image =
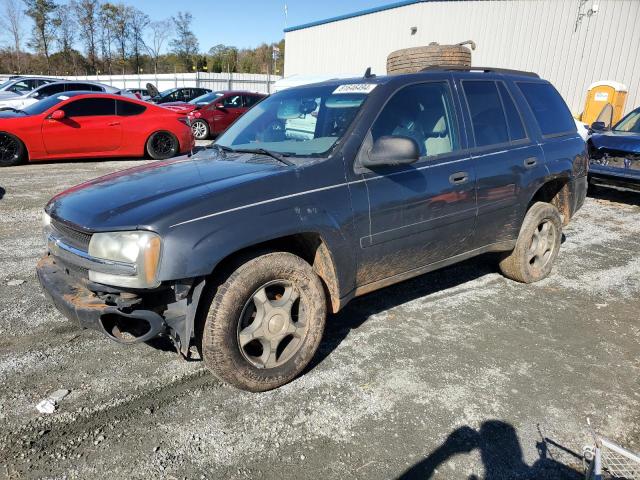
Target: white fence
pixel 214 81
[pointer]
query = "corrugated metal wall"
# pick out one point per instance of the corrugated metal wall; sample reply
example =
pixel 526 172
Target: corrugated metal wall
pixel 535 35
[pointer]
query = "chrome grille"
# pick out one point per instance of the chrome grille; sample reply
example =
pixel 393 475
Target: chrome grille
pixel 71 236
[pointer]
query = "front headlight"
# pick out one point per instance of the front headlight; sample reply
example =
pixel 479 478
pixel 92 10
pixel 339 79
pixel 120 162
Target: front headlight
pixel 46 220
pixel 46 226
pixel 139 248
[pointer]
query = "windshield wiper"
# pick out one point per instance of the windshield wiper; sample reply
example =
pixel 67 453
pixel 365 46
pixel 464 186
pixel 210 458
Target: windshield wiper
pixel 261 151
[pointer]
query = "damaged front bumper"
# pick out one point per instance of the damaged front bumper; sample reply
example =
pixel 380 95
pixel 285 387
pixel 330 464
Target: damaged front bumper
pixel 615 168
pixel 123 316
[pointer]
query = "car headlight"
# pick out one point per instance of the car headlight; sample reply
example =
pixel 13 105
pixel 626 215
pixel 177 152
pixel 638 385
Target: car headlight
pixel 46 220
pixel 46 226
pixel 139 248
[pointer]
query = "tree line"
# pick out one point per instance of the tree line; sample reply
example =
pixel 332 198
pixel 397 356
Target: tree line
pixel 88 37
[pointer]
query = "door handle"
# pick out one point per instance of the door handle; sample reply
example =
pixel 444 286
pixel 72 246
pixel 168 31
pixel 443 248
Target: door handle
pixel 458 178
pixel 530 162
pixel 113 124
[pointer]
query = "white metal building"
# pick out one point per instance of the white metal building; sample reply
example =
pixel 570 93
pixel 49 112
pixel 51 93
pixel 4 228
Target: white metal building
pixel 572 43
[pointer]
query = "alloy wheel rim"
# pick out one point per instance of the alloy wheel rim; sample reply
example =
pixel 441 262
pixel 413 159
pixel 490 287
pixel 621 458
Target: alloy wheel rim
pixel 542 244
pixel 162 144
pixel 271 328
pixel 199 129
pixel 8 148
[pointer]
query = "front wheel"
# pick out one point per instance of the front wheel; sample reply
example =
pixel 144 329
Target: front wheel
pixel 162 145
pixel 265 322
pixel 537 246
pixel 200 130
pixel 12 150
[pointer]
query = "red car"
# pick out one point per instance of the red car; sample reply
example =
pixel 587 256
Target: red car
pixel 87 125
pixel 212 113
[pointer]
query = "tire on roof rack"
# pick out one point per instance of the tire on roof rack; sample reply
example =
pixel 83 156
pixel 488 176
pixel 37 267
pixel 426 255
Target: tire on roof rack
pixel 412 60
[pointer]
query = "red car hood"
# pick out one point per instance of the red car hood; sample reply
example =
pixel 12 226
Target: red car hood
pixel 181 107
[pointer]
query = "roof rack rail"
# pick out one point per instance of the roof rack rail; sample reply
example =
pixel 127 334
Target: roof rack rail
pixel 480 69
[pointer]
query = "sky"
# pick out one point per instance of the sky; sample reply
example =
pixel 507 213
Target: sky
pixel 247 23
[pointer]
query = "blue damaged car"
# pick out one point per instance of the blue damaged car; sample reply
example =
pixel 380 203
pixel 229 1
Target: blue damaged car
pixel 615 154
pixel 318 194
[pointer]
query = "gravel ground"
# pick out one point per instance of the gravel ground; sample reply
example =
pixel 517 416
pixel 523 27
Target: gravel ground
pixel 457 374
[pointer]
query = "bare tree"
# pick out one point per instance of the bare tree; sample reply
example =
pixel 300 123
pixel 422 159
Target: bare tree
pixel 159 33
pixel 45 24
pixel 11 20
pixel 107 20
pixel 139 23
pixel 65 37
pixel 86 12
pixel 185 44
pixel 122 31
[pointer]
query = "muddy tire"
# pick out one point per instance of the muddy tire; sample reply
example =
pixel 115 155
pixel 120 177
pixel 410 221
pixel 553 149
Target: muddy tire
pixel 265 322
pixel 162 145
pixel 537 246
pixel 12 150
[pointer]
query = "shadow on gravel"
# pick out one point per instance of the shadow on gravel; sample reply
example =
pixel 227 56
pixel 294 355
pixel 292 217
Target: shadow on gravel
pixel 501 455
pixel 2 192
pixel 614 195
pixel 360 309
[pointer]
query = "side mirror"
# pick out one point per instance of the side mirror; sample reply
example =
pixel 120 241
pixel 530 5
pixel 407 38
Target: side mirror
pixel 58 115
pixel 598 126
pixel 219 106
pixel 392 150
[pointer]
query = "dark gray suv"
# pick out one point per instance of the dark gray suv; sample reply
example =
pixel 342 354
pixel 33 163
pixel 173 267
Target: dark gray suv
pixel 317 195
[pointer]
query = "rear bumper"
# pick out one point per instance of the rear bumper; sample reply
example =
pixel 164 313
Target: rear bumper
pixel 618 177
pixel 84 308
pixel 187 142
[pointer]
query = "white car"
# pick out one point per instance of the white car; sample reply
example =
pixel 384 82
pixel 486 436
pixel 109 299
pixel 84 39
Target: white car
pixel 19 102
pixel 22 85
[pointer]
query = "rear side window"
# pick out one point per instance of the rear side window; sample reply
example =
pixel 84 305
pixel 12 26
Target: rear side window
pixel 487 116
pixel 73 87
pixel 88 107
pixel 551 112
pixel 514 121
pixel 129 109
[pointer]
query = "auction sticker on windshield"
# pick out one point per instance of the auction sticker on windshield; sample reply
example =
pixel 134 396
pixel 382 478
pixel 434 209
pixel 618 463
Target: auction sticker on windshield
pixel 355 88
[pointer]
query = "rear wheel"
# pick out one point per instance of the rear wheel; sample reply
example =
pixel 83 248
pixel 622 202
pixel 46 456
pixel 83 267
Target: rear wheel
pixel 265 322
pixel 537 246
pixel 162 145
pixel 200 130
pixel 12 150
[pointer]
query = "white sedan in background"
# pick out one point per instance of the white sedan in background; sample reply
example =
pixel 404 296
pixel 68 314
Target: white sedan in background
pixel 18 102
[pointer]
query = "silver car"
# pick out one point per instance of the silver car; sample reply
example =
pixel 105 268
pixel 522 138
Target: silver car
pixel 19 102
pixel 21 85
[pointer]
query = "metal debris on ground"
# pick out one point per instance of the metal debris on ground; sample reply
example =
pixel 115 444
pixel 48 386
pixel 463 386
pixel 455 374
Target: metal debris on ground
pixel 49 404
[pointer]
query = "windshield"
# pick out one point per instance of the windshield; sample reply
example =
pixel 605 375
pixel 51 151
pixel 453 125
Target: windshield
pixel 206 98
pixel 304 121
pixel 5 84
pixel 630 123
pixel 44 105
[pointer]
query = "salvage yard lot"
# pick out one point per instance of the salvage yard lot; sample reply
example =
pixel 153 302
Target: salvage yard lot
pixel 461 353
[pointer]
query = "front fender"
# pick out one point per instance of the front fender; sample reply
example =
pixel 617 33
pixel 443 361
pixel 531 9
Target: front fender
pixel 195 249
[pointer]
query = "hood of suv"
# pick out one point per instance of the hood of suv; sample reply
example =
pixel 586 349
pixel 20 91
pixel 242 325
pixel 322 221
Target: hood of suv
pixel 141 195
